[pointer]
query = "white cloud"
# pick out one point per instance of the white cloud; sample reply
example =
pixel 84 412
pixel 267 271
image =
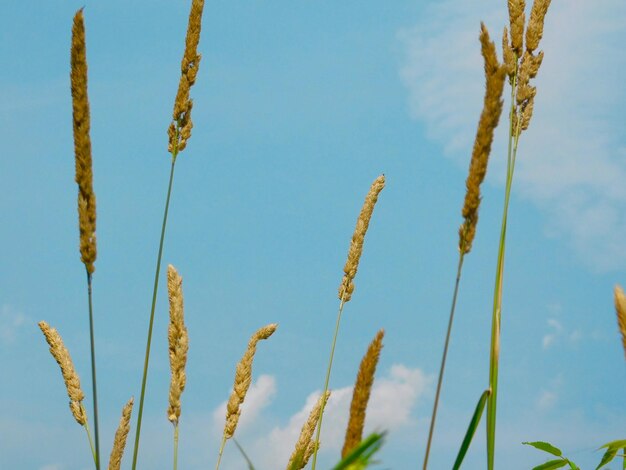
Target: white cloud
pixel 572 161
pixel 52 466
pixel 549 338
pixel 11 321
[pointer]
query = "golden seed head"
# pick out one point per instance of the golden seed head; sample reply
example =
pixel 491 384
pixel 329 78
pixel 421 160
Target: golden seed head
pixel 620 309
pixel 361 394
pixel 189 71
pixel 305 446
pixel 534 31
pixel 178 340
pixel 508 56
pixel 82 144
pixel 243 379
pixel 517 19
pixel 356 245
pixel 119 442
pixel 495 75
pixel 70 377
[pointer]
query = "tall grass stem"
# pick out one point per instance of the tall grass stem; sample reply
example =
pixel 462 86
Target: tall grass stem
pixel 219 454
pixel 326 382
pixel 443 358
pixel 176 446
pixel 93 371
pixel 154 297
pixel 93 450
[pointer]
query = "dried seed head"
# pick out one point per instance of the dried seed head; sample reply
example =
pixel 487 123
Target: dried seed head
pixel 620 309
pixel 243 378
pixel 82 144
pixel 517 19
pixel 305 445
pixel 119 442
pixel 534 31
pixel 178 340
pixel 70 377
pixel 361 394
pixel 189 71
pixel 492 108
pixel 508 56
pixel 356 245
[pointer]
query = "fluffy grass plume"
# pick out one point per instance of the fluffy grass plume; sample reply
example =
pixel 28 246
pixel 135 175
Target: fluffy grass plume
pixel 305 446
pixel 492 109
pixel 178 343
pixel 356 245
pixel 361 394
pixel 620 309
pixel 179 130
pixel 119 442
pixel 70 377
pixel 517 19
pixel 82 144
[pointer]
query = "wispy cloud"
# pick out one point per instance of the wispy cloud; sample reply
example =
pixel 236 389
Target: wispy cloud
pixel 11 321
pixel 572 163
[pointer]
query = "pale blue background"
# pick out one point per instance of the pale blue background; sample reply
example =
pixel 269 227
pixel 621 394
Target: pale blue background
pixel 298 106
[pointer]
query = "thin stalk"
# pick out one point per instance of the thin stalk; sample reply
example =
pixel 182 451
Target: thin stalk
pixel 93 450
pixel 443 359
pixel 176 446
pixel 154 297
pixel 330 365
pixel 93 372
pixel 219 455
pixel 245 456
pixel 494 354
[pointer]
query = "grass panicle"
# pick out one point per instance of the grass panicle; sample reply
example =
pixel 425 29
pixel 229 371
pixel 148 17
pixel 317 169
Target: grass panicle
pixel 119 441
pixel 361 394
pixel 243 379
pixel 356 245
pixel 517 19
pixel 305 446
pixel 70 377
pixel 178 340
pixel 620 309
pixel 82 144
pixel 179 130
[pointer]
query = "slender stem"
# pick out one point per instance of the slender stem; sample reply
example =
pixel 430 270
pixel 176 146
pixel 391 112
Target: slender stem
pixel 245 456
pixel 494 354
pixel 330 365
pixel 93 450
pixel 154 297
pixel 219 455
pixel 175 446
pixel 443 359
pixel 93 372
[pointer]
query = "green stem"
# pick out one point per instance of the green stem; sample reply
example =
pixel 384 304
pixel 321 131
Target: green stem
pixel 219 455
pixel 154 297
pixel 443 359
pixel 175 446
pixel 93 371
pixel 497 296
pixel 93 450
pixel 330 365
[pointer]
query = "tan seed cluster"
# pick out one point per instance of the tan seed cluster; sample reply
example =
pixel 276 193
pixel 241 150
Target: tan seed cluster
pixel 178 340
pixel 179 130
pixel 82 144
pixel 620 309
pixel 243 378
pixel 119 442
pixel 495 75
pixel 305 445
pixel 361 394
pixel 356 245
pixel 70 377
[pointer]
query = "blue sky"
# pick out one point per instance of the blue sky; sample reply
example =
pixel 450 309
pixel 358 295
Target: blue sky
pixel 298 107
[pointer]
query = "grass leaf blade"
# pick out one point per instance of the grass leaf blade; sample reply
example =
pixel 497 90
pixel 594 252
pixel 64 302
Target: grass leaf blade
pixel 546 447
pixel 471 429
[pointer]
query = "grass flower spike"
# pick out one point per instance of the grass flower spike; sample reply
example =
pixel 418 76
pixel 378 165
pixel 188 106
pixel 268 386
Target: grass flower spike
pixel 119 442
pixel 178 343
pixel 620 309
pixel 361 394
pixel 305 446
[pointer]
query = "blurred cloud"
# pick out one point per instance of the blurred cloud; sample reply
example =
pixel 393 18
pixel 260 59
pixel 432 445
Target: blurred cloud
pixel 572 163
pixel 11 321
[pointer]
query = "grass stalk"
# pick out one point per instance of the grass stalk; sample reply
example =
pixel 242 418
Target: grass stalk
pixel 154 298
pixel 443 359
pixel 175 446
pixel 93 371
pixel 91 446
pixel 221 451
pixel 326 381
pixel 494 351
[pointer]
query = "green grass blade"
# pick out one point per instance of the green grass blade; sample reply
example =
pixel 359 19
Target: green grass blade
pixel 471 429
pixel 243 453
pixel 361 456
pixel 608 456
pixel 551 464
pixel 546 447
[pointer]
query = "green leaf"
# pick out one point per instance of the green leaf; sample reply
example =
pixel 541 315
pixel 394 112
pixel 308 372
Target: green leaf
pixel 572 465
pixel 546 447
pixel 609 455
pixel 551 464
pixel 360 457
pixel 471 429
pixel 617 444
